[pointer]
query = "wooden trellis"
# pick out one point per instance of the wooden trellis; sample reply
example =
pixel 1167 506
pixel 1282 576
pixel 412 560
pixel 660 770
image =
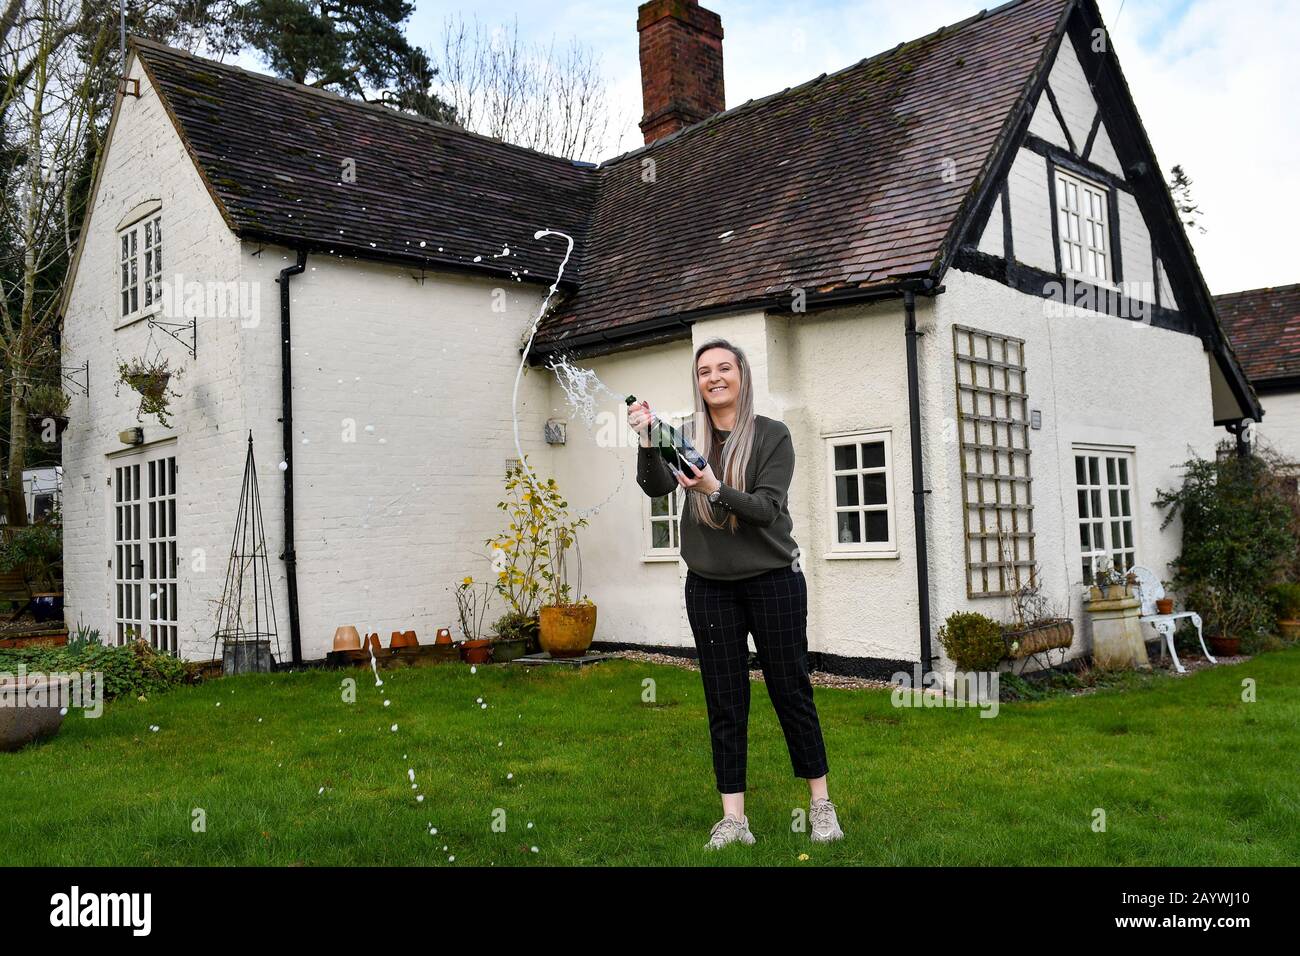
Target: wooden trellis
pixel 993 428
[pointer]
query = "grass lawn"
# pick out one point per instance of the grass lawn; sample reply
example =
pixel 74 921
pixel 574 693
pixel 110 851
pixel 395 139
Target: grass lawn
pixel 1186 772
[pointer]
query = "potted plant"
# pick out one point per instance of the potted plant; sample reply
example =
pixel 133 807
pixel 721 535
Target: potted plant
pixel 516 635
pixel 1036 626
pixel 1165 605
pixel 1109 583
pixel 1286 602
pixel 472 604
pixel 521 554
pixel 567 626
pixel 1231 614
pixel 47 405
pixel 150 378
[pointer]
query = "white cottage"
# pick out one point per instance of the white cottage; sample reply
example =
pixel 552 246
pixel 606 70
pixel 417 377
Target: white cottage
pixel 955 266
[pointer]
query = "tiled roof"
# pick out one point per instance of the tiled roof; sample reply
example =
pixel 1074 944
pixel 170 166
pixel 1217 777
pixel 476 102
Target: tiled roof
pixel 1263 326
pixel 851 181
pixel 273 151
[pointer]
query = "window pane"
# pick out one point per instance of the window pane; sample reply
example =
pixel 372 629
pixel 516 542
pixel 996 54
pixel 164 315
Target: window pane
pixel 873 455
pixel 1123 471
pixel 846 489
pixel 1094 472
pixel 850 528
pixel 846 456
pixel 873 490
pixel 1083 504
pixel 1085 540
pixel 659 537
pixel 1080 476
pixel 877 525
pixel 659 506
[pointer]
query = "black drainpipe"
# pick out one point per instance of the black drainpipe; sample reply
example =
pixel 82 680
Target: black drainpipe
pixel 919 491
pixel 290 556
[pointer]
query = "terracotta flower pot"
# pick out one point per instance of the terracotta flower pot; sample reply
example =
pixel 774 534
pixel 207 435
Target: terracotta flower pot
pixel 444 636
pixel 1164 605
pixel 1290 630
pixel 476 652
pixel 566 630
pixel 346 638
pixel 403 639
pixel 1225 646
pixel 372 643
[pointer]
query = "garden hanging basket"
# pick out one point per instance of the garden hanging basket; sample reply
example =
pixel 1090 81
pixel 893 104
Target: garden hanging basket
pixel 1044 636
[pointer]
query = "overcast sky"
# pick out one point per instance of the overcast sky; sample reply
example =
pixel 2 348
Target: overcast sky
pixel 1214 80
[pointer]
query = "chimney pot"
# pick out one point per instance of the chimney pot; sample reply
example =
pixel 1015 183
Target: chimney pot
pixel 681 65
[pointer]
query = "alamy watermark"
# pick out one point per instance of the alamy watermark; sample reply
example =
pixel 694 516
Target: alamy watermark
pixel 958 689
pixel 211 299
pixel 83 690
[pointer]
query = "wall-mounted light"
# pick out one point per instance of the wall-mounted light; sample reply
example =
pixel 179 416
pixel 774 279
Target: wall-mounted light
pixel 555 431
pixel 1035 419
pixel 132 436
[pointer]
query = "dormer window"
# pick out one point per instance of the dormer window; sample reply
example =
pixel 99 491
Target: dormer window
pixel 1083 228
pixel 140 264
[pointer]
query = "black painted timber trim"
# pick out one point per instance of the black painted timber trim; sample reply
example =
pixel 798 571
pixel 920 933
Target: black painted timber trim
pixel 1038 282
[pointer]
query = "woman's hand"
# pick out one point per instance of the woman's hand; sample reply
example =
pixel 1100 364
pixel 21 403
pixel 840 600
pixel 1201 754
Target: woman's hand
pixel 639 418
pixel 705 482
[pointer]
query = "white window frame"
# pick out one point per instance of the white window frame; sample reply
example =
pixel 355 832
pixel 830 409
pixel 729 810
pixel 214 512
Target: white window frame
pixel 143 554
pixel 1079 227
pixel 677 501
pixel 837 549
pixel 1101 493
pixel 138 269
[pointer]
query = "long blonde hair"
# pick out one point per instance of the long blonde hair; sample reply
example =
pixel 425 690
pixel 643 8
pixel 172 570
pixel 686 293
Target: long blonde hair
pixel 740 443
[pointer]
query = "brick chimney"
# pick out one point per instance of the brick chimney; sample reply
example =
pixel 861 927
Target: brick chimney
pixel 681 65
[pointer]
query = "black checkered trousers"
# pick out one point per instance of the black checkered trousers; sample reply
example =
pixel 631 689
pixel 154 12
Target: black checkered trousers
pixel 772 606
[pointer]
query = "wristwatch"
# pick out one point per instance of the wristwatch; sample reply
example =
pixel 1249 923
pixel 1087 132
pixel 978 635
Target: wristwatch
pixel 715 496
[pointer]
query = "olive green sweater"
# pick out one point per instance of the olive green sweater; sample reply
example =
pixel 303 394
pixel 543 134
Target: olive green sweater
pixel 764 540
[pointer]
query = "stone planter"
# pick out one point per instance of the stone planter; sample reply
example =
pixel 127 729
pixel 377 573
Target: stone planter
pixel 22 723
pixel 567 629
pixel 1117 638
pixel 1290 630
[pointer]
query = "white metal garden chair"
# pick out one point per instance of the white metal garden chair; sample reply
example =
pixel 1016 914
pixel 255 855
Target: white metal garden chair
pixel 1149 590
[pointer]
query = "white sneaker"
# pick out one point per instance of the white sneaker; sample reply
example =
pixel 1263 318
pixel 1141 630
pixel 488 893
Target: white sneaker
pixel 825 825
pixel 729 830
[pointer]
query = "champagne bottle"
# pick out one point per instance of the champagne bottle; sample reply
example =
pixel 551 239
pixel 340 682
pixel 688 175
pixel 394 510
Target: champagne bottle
pixel 672 444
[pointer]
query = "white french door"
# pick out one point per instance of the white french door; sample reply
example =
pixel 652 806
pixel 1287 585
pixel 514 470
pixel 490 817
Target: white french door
pixel 144 548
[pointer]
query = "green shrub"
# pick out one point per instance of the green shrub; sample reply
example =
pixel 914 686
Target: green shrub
pixel 130 670
pixel 973 641
pixel 514 625
pixel 36 550
pixel 1239 536
pixel 1286 601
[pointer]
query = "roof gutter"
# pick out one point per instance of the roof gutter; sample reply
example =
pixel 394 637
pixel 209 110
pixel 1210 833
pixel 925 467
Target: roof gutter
pixel 289 555
pixel 628 336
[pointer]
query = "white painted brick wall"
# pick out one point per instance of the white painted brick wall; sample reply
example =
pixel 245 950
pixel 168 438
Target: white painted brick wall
pixel 147 161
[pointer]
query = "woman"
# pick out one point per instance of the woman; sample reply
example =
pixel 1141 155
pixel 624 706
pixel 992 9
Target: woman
pixel 743 577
